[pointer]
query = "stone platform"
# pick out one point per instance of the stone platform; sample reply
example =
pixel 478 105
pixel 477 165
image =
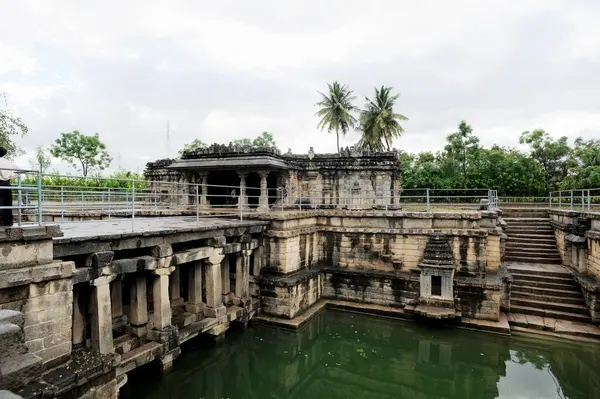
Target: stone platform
pixel 144 226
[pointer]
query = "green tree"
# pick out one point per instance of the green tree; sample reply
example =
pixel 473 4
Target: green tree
pixel 41 160
pixel 583 165
pixel 551 154
pixel 83 152
pixel 378 122
pixel 462 150
pixel 336 110
pixel 193 146
pixel 264 140
pixel 10 127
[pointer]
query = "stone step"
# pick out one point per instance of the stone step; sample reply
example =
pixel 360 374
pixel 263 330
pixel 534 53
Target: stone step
pixel 533 276
pixel 530 237
pixel 550 240
pixel 529 244
pixel 532 259
pixel 539 271
pixel 575 299
pixel 125 343
pixel 530 230
pixel 556 293
pixel 526 220
pixel 11 340
pixel 550 313
pixel 532 250
pixel 525 215
pixel 522 322
pixel 544 284
pixel 12 316
pixel 558 306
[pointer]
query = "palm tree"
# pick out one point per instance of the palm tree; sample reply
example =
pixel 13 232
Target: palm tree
pixel 336 110
pixel 378 121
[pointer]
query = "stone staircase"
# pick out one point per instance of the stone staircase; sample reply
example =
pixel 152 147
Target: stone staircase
pixel 546 292
pixel 545 297
pixel 17 366
pixel 530 237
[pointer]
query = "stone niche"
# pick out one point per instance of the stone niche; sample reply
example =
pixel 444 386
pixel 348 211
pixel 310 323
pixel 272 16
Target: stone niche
pixel 437 279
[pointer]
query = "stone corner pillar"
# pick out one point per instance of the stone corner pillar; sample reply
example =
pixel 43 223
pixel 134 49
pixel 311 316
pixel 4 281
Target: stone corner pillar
pixel 214 298
pixel 242 275
pixel 203 178
pixel 138 314
pixel 243 199
pixel 263 200
pixel 101 325
pixel 194 303
pixel 160 294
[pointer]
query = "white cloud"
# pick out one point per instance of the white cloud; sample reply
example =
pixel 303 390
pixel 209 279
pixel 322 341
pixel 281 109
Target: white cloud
pixel 223 70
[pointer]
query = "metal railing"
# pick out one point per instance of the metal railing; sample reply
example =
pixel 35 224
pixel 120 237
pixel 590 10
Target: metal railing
pixel 587 199
pixel 59 198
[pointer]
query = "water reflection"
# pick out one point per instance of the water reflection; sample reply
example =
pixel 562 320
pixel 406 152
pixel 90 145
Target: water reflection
pixel 342 355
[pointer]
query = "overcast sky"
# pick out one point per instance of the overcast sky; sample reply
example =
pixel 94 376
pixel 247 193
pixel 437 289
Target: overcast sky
pixel 220 70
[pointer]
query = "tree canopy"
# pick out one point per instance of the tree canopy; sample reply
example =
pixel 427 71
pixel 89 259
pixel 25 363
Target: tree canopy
pixel 11 127
pixel 41 160
pixel 86 153
pixel 379 123
pixel 265 139
pixel 336 110
pixel 550 165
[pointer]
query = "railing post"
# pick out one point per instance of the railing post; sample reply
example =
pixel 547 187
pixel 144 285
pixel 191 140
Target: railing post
pixel 571 199
pixel 560 200
pixel 583 200
pixel 197 206
pixel 109 203
pixel 132 205
pixel 19 200
pixel 550 201
pixel 62 203
pixel 39 191
pixel 427 194
pixel 589 200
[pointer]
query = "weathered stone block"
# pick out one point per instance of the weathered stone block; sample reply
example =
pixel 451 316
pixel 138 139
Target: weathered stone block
pixel 19 254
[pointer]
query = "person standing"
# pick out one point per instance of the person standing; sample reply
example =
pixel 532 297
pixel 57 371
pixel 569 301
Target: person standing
pixel 7 173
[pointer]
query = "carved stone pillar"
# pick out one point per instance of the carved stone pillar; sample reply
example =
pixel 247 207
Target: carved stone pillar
pixel 242 275
pixel 102 338
pixel 263 201
pixel 203 190
pixel 214 299
pixel 243 200
pixel 160 295
pixel 175 287
pixel 225 281
pixel 257 266
pixel 195 304
pixel 138 315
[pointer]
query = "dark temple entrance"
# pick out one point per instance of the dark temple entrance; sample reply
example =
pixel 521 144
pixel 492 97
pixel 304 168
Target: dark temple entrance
pixel 253 189
pixel 221 185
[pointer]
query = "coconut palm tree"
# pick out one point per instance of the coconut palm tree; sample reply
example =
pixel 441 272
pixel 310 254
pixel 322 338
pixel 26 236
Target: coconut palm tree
pixel 378 122
pixel 336 110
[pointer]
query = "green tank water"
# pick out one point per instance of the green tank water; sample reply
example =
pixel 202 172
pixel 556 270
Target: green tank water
pixel 348 355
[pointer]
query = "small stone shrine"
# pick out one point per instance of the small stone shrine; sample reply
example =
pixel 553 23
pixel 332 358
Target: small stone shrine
pixel 437 278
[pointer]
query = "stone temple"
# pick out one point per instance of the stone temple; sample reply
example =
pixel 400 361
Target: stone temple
pixel 354 178
pixel 84 304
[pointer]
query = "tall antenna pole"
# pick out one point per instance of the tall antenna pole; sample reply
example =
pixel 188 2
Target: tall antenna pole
pixel 168 138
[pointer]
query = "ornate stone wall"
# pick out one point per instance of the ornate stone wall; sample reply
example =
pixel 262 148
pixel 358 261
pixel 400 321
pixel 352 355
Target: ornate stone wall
pixel 373 257
pixel 583 259
pixel 355 179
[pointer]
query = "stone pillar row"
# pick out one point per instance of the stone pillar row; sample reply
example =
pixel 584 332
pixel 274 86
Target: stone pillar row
pixel 214 270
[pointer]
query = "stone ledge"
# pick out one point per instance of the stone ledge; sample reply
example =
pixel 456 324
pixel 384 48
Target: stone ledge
pixel 29 233
pixel 288 280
